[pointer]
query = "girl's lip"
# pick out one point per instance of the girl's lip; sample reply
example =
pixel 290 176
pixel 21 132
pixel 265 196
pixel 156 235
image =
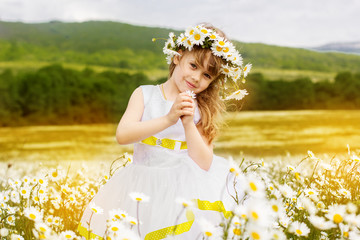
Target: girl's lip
pixel 189 84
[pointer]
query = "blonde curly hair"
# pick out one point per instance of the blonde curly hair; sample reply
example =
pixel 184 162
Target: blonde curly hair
pixel 209 102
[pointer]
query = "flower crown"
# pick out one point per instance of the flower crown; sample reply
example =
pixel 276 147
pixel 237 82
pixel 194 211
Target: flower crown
pixel 207 38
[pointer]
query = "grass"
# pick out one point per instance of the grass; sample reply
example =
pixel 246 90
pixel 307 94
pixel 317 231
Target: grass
pixel 24 66
pixel 252 134
pixel 291 74
pixel 154 74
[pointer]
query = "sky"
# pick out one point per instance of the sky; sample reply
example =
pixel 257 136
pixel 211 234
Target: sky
pixel 300 23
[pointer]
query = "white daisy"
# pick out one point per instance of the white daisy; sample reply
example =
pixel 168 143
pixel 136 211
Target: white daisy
pixel 116 227
pixel 238 95
pixel 95 209
pixel 321 223
pixel 336 213
pixel 16 237
pixel 345 193
pixel 299 228
pixel 254 185
pixel 117 214
pixel 185 203
pixel 247 69
pixel 208 230
pixel 67 235
pixel 197 37
pixel 191 94
pixel 139 197
pixel 257 232
pixel 33 214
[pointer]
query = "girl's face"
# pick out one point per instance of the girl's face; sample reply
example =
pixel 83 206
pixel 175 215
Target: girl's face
pixel 191 75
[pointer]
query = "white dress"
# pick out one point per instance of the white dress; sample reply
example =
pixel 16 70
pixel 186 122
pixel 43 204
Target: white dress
pixel 164 175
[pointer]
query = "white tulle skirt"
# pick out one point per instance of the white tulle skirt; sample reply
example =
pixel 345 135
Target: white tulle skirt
pixel 179 178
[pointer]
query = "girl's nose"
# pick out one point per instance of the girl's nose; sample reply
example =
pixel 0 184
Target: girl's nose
pixel 196 76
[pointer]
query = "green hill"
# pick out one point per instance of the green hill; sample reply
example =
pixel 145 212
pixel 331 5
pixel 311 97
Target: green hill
pixel 119 45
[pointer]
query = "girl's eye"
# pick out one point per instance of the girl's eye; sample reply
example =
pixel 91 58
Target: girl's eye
pixel 193 65
pixel 207 76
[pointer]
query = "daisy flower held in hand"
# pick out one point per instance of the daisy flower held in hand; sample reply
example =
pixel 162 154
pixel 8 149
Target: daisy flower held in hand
pixel 191 94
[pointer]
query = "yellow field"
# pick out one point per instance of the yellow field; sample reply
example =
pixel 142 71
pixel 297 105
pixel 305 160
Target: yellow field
pixel 251 134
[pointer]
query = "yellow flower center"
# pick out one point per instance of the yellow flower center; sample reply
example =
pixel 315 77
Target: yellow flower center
pixel 191 32
pixel 36 198
pixel 188 41
pixel 275 208
pixel 212 36
pixel 10 218
pixel 226 50
pixel 138 199
pixel 245 69
pixel 41 181
pixel 218 48
pixel 337 218
pixel 255 235
pixel 23 191
pixel 117 216
pixel 32 216
pixel 54 174
pixel 133 222
pixel 204 31
pixel 252 185
pixel 237 231
pixel 197 37
pixel 255 215
pixel 68 236
pixel 49 220
pixel 209 234
pixel 221 43
pixel 114 229
pixel 41 191
pixel 298 231
pixel 42 229
pixel 94 210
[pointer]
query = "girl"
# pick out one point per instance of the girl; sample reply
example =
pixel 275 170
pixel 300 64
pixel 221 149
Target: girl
pixel 175 179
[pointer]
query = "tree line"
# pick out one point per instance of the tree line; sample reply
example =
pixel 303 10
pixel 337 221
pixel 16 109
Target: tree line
pixel 57 95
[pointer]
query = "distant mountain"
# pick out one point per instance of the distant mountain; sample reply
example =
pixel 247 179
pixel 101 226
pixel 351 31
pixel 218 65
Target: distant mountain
pixel 345 47
pixel 115 44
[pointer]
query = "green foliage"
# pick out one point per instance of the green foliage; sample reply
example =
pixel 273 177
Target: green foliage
pixel 57 95
pixel 301 93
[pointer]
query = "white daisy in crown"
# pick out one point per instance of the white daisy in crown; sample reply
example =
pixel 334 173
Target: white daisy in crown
pixel 209 38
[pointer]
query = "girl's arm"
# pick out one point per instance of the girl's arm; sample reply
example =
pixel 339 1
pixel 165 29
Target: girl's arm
pixel 199 148
pixel 131 129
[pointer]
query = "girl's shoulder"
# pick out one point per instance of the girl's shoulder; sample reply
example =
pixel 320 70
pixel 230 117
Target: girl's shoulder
pixel 147 91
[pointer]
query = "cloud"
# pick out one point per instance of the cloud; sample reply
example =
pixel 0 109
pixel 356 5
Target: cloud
pixel 280 22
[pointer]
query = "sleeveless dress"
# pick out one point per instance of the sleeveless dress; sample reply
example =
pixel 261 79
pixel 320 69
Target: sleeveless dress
pixel 165 175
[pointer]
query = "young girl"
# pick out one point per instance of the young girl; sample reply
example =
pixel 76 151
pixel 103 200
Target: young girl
pixel 175 180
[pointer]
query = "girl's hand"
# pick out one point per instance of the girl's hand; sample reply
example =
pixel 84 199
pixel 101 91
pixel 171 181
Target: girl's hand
pixel 183 106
